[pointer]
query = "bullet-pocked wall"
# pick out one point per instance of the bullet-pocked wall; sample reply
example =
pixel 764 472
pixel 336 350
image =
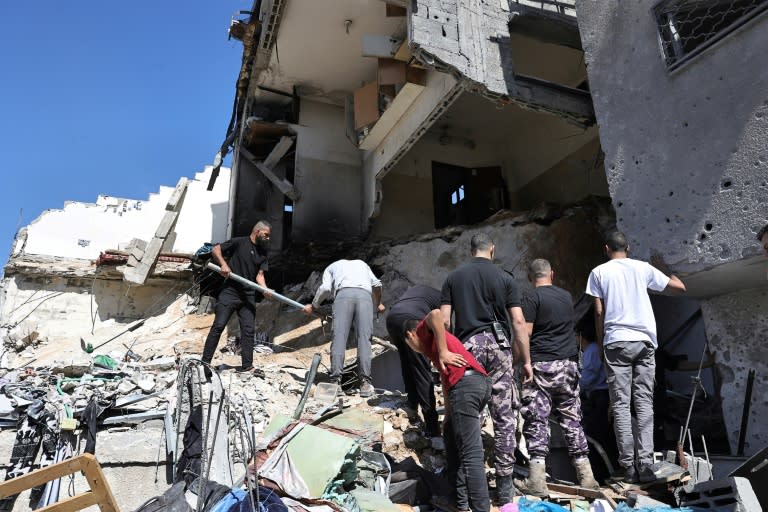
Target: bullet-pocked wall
pixel 737 327
pixel 686 159
pixel 327 176
pixel 686 151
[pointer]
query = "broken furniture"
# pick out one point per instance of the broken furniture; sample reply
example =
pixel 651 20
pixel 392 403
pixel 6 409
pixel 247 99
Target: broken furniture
pixel 100 494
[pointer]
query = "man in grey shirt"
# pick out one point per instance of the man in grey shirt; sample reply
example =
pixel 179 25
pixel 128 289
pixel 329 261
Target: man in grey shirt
pixel 626 335
pixel 355 290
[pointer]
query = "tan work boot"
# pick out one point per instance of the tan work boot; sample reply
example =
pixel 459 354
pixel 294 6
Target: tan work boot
pixel 584 473
pixel 536 483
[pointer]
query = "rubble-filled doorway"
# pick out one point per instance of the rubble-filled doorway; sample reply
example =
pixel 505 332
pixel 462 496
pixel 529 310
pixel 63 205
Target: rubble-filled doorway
pixel 466 195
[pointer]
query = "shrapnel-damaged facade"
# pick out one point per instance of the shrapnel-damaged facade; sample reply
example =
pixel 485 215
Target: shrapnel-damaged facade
pixel 681 97
pixel 384 119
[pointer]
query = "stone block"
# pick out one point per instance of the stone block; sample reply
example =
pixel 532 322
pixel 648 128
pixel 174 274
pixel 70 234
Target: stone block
pixel 727 494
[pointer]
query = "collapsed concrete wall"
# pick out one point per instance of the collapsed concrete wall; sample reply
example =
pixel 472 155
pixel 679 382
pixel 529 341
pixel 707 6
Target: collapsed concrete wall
pixel 53 286
pixel 84 230
pixel 737 327
pixel 686 153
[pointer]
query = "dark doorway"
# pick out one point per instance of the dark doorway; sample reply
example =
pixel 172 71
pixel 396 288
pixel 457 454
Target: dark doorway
pixel 466 196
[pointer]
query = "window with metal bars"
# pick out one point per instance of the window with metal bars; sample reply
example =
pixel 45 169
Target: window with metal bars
pixel 688 27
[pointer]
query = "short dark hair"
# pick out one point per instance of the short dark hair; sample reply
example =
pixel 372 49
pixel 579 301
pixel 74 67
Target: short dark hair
pixel 539 268
pixel 762 233
pixel 410 325
pixel 262 225
pixel 480 242
pixel 616 241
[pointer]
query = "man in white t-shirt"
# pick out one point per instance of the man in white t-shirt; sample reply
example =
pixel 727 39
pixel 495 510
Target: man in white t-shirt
pixel 626 335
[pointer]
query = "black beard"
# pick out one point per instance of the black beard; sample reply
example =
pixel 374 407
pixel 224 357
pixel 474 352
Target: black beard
pixel 262 243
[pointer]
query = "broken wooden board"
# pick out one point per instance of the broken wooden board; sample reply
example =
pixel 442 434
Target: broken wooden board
pixel 99 494
pixel 285 186
pixel 583 492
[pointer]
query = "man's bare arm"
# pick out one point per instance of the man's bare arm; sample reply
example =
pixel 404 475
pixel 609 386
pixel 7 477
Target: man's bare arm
pixel 219 258
pixel 599 324
pixel 446 310
pixel 434 321
pixel 262 281
pixel 376 290
pixel 522 341
pixel 675 284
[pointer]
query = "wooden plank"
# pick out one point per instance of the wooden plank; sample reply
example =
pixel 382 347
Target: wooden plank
pixel 100 493
pixel 282 184
pixel 366 105
pixel 581 491
pixel 39 477
pixel 174 203
pixel 392 115
pixel 100 487
pixel 78 502
pixel 278 152
pixel 375 45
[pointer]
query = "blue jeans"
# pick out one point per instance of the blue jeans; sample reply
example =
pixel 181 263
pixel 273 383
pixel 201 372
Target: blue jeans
pixel 463 443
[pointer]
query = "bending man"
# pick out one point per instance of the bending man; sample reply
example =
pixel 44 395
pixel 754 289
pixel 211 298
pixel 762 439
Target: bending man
pixel 355 290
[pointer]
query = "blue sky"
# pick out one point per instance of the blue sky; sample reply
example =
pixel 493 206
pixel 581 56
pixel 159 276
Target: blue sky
pixel 112 98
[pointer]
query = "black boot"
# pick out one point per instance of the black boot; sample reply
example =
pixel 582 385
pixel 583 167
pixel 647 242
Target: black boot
pixel 505 489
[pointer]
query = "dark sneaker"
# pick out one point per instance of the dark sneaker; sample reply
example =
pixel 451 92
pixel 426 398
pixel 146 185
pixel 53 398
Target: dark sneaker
pixel 646 474
pixel 258 372
pixel 630 475
pixel 366 390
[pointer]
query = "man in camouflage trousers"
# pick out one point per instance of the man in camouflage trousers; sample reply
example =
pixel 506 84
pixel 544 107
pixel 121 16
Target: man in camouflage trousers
pixel 482 297
pixel 548 312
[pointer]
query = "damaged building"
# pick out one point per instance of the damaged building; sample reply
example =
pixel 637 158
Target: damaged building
pixel 394 130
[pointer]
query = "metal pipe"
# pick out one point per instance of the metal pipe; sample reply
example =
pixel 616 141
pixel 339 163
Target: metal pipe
pixel 745 411
pixel 311 373
pixel 257 287
pixel 706 454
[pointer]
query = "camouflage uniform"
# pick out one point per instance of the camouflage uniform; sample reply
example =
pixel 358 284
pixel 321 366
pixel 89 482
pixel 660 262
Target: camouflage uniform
pixel 504 404
pixel 555 386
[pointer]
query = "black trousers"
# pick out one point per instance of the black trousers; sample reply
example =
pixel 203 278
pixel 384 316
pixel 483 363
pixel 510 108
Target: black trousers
pixel 417 375
pixel 464 443
pixel 230 300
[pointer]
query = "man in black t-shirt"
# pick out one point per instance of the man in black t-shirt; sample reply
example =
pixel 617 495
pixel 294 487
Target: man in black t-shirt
pixel 481 295
pixel 245 256
pixel 548 314
pixel 415 304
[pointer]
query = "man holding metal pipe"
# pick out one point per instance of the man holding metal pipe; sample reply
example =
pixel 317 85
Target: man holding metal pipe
pixel 245 256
